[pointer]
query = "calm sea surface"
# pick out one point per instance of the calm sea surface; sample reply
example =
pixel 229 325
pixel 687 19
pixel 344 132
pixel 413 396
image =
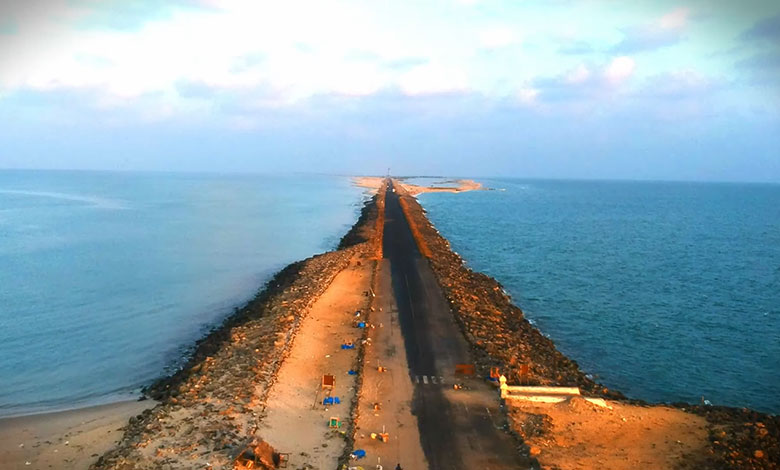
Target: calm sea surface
pixel 665 291
pixel 107 278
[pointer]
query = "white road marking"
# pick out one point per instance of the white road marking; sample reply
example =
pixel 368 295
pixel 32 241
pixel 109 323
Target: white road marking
pixel 425 379
pixel 417 378
pixel 433 379
pixel 441 380
pixel 409 294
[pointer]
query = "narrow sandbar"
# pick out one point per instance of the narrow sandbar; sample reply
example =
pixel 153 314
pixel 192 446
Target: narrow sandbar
pixel 453 186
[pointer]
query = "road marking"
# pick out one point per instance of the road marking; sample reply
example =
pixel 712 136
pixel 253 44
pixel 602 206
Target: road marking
pixel 425 379
pixel 441 380
pixel 409 294
pixel 417 378
pixel 433 379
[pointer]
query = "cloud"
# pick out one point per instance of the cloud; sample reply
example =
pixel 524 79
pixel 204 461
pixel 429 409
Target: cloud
pixel 430 79
pixel 767 29
pixel 497 37
pixel 665 31
pixel 762 61
pixel 643 39
pixel 195 89
pixel 130 15
pixel 248 61
pixel 527 95
pixel 585 84
pixel 675 19
pixel 576 48
pixel 579 74
pixel 762 67
pixel 620 69
pixel 678 85
pixel 406 63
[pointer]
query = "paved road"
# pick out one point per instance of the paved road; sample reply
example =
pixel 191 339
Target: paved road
pixel 458 429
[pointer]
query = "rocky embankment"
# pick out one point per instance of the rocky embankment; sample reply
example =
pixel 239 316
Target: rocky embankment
pixel 210 408
pixel 740 438
pixel 501 336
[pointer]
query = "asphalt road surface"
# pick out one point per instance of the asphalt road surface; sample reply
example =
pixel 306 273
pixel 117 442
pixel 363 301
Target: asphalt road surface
pixel 460 429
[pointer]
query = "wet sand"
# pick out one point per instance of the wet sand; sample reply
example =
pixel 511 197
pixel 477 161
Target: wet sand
pixel 71 439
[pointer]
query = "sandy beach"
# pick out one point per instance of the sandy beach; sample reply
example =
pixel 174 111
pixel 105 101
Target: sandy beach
pixel 453 186
pixel 71 439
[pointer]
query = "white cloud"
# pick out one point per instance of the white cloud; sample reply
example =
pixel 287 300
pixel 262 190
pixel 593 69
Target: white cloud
pixel 675 19
pixel 620 69
pixel 578 75
pixel 204 47
pixel 497 37
pixel 527 95
pixel 431 79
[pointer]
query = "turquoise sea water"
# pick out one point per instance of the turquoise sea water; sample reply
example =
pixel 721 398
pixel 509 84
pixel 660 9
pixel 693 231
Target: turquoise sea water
pixel 665 291
pixel 107 278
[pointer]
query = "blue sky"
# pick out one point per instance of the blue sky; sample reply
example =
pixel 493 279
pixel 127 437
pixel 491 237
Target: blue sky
pixel 557 88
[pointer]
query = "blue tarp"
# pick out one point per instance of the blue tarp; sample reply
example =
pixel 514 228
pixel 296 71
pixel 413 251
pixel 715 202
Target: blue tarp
pixel 347 346
pixel 331 401
pixel 359 453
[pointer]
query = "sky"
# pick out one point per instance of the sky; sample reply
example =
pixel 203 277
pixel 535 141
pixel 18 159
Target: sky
pixel 669 90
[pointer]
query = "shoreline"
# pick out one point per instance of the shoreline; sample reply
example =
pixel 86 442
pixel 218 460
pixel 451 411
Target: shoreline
pixel 106 400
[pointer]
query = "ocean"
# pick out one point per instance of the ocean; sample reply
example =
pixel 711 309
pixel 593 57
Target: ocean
pixel 107 279
pixel 665 291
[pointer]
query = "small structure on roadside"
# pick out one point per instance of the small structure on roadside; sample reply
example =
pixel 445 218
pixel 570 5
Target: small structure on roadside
pixel 328 382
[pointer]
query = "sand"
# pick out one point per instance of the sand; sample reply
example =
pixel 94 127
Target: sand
pixel 580 435
pixel 64 440
pixel 369 182
pixel 455 186
pixel 295 421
